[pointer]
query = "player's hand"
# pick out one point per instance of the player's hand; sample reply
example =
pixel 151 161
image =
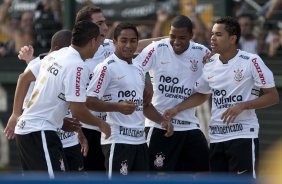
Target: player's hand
pixel 148 92
pixel 26 53
pixel 169 128
pixel 83 142
pixel 231 113
pixel 71 125
pixel 127 107
pixel 170 113
pixel 207 57
pixel 106 129
pixel 9 131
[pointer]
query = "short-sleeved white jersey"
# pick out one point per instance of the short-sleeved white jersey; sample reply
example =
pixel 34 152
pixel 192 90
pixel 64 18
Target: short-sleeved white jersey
pixel 115 80
pixel 68 139
pixel 173 79
pixel 62 79
pixel 237 81
pixel 104 51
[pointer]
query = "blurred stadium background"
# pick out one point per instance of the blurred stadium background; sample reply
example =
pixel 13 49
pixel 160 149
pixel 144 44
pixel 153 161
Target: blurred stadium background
pixel 140 12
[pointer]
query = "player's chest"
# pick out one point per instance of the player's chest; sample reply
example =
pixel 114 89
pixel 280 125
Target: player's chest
pixel 233 76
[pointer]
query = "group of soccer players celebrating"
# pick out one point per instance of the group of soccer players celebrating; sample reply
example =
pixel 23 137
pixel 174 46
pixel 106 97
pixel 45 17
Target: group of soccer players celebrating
pixel 132 122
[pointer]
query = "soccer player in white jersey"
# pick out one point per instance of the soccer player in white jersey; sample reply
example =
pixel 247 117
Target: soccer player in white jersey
pixel 95 160
pixel 117 88
pixel 234 79
pixel 175 63
pixel 70 140
pixel 61 85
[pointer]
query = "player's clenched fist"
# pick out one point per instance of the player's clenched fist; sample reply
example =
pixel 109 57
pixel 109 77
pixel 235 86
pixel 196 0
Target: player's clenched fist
pixel 170 113
pixel 127 107
pixel 169 128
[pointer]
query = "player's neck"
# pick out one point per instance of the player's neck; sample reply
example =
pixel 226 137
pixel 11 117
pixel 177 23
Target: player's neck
pixel 128 60
pixel 82 52
pixel 226 56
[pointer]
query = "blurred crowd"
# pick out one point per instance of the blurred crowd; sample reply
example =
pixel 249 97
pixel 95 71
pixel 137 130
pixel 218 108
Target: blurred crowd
pixel 32 27
pixel 260 20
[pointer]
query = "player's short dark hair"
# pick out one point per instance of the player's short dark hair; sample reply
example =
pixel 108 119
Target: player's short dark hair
pixel 83 32
pixel 122 26
pixel 182 21
pixel 86 12
pixel 61 39
pixel 231 26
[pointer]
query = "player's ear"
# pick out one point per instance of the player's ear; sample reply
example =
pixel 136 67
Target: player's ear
pixel 233 38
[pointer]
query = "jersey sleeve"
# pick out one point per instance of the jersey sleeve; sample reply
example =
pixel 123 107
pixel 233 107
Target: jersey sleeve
pixel 262 75
pixel 75 82
pixel 147 58
pixel 35 68
pixel 202 86
pixel 100 81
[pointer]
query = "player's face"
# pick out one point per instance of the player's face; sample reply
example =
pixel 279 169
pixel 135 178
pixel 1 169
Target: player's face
pixel 221 41
pixel 179 39
pixel 126 45
pixel 100 20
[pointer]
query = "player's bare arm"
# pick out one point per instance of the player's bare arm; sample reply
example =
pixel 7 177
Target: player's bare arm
pixel 71 125
pixel 270 97
pixel 124 107
pixel 193 101
pixel 145 42
pixel 21 90
pixel 148 91
pixel 151 113
pixel 81 112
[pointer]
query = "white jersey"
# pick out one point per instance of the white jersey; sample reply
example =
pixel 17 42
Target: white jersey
pixel 62 79
pixel 173 78
pixel 33 62
pixel 104 51
pixel 115 80
pixel 68 139
pixel 237 81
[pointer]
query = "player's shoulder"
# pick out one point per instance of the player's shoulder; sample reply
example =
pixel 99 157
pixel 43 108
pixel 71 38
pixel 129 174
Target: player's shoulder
pixel 109 62
pixel 108 43
pixel 248 58
pixel 161 44
pixel 197 47
pixel 245 55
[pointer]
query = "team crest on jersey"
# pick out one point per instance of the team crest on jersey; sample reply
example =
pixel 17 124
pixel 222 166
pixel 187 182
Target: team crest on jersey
pixel 124 168
pixel 159 161
pixel 21 124
pixel 238 75
pixel 107 54
pixel 194 65
pixel 62 165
